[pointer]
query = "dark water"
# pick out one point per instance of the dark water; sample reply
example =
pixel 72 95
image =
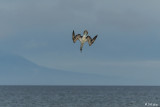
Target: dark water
pixel 79 96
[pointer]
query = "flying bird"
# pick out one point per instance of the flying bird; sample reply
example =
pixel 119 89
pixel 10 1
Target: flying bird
pixel 83 39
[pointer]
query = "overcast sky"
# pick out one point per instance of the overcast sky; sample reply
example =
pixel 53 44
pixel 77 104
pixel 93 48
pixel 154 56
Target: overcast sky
pixel 128 35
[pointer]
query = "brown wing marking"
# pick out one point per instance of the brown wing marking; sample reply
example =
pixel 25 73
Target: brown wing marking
pixel 90 40
pixel 75 38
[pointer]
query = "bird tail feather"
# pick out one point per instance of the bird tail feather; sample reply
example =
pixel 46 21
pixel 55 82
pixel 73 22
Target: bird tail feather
pixel 81 47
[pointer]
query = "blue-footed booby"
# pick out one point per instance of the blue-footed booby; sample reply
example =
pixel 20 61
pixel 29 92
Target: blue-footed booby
pixel 83 39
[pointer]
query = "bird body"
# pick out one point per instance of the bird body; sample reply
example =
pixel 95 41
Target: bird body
pixel 83 38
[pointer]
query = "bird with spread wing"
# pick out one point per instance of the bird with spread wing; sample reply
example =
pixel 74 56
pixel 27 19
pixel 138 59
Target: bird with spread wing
pixel 83 39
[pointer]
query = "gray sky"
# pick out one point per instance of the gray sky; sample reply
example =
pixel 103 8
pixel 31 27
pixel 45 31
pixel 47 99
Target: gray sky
pixel 127 45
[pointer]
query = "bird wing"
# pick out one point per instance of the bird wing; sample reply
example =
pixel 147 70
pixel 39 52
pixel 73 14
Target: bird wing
pixel 75 38
pixel 90 40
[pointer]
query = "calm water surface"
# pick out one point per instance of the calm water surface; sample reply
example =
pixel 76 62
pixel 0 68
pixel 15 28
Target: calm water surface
pixel 79 96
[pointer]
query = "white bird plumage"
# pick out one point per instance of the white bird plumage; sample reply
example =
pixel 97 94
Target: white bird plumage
pixel 83 38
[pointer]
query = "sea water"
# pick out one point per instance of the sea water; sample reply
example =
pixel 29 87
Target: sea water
pixel 79 96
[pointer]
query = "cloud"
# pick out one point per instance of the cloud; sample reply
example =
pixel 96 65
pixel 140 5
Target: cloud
pixel 126 29
pixel 128 15
pixel 99 15
pixel 109 66
pixel 128 34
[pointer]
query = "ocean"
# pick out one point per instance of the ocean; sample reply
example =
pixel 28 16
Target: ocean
pixel 79 96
